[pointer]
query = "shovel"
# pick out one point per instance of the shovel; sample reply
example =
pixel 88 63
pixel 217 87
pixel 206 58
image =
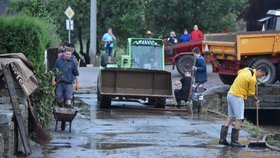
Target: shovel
pixel 258 143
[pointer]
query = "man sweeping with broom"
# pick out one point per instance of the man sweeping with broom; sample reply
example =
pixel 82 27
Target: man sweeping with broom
pixel 242 87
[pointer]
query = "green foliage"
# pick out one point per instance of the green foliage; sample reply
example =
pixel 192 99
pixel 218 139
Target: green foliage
pixel 28 35
pixel 43 97
pixel 81 18
pixel 209 15
pixel 35 8
pixel 24 34
pixel 133 18
pixel 252 129
pixel 124 16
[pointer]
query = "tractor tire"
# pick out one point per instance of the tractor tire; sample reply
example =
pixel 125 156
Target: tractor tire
pixel 160 102
pixel 278 72
pixel 104 60
pixel 227 79
pixel 271 69
pixel 98 91
pixel 151 101
pixel 98 95
pixel 184 64
pixel 105 101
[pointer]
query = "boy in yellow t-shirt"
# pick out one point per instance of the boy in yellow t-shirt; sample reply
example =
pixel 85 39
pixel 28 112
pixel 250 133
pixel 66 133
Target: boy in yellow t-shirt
pixel 242 88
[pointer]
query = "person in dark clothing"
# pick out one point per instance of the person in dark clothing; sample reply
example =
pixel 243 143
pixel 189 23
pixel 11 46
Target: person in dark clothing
pixel 172 39
pixel 200 69
pixel 67 74
pixel 184 92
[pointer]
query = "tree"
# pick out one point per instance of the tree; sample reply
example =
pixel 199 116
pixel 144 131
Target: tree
pixel 126 17
pixel 131 18
pixel 81 19
pixel 35 8
pixel 209 15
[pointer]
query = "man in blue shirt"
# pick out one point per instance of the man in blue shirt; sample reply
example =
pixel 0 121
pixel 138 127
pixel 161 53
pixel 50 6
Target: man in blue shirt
pixel 67 74
pixel 185 37
pixel 108 39
pixel 200 67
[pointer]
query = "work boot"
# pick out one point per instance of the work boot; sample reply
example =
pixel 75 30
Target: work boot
pixel 68 104
pixel 223 135
pixel 234 139
pixel 60 104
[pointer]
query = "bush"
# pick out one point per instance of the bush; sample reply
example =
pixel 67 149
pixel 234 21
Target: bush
pixel 24 34
pixel 29 36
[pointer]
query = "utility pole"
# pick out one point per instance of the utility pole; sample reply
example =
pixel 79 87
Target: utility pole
pixel 93 21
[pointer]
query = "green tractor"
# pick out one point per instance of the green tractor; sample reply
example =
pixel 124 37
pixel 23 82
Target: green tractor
pixel 138 75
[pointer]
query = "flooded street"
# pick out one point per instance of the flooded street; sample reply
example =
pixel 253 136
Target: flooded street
pixel 125 133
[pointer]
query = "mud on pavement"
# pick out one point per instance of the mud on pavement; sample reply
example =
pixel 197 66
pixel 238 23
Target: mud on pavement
pixel 138 133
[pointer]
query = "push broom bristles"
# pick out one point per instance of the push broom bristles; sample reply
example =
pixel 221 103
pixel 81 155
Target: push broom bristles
pixel 257 144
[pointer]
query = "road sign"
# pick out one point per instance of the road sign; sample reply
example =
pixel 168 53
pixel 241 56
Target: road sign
pixel 69 24
pixel 69 12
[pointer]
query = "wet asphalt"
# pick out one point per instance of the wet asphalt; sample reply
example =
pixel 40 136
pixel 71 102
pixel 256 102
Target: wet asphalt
pixel 125 133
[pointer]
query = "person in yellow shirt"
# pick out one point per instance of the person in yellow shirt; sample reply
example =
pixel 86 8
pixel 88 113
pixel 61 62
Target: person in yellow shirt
pixel 244 86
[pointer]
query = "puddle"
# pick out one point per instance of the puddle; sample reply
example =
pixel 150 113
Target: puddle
pixel 195 133
pixel 123 133
pixel 53 147
pixel 110 146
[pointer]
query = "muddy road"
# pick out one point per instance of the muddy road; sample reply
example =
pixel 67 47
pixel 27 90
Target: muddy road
pixel 126 133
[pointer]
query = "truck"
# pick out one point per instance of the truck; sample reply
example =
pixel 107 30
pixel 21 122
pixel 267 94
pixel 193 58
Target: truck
pixel 229 52
pixel 182 56
pixel 138 75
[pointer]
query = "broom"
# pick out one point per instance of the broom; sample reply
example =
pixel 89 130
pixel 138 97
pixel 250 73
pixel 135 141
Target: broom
pixel 258 143
pixel 41 135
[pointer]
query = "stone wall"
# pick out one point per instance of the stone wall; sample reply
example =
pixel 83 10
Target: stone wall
pixel 215 98
pixel 7 128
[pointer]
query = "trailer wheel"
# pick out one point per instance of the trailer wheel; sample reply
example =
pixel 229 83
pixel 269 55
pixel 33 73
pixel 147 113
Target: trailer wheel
pixel 184 64
pixel 160 102
pixel 105 101
pixel 278 72
pixel 271 76
pixel 227 79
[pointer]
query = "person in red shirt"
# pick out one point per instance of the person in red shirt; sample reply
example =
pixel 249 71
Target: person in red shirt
pixel 196 34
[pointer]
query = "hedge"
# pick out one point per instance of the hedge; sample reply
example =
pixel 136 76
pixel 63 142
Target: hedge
pixel 24 34
pixel 28 35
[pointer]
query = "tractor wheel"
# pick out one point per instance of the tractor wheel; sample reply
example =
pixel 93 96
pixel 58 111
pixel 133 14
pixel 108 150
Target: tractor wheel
pixel 278 72
pixel 104 60
pixel 227 79
pixel 98 95
pixel 151 101
pixel 160 102
pixel 184 64
pixel 271 76
pixel 98 91
pixel 105 101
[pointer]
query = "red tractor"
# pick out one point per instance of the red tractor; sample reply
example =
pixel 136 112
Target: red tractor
pixel 181 55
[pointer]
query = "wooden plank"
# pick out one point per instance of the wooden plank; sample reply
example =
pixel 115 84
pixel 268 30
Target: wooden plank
pixel 15 104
